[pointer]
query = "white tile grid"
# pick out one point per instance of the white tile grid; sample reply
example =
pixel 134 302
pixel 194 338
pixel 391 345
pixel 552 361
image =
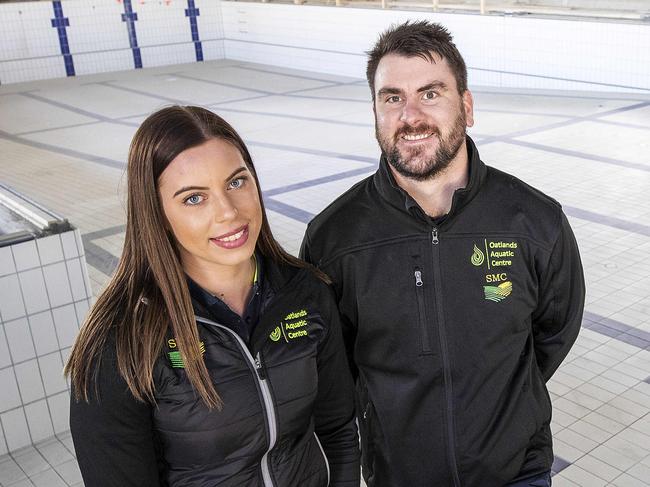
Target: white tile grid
pixel 613 433
pixel 26 416
pixel 48 463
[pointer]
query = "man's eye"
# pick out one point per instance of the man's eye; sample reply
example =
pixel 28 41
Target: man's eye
pixel 430 95
pixel 236 183
pixel 393 99
pixel 193 200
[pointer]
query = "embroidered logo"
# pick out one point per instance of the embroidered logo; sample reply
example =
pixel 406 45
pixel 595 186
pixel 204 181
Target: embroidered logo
pixel 497 256
pixel 478 257
pixel 276 334
pixel 175 356
pixel 498 293
pixel 293 326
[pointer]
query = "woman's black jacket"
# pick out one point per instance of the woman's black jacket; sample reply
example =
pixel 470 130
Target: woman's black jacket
pixel 288 414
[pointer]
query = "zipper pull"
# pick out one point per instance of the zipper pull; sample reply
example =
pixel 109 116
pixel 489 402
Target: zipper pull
pixel 434 236
pixel 418 278
pixel 259 366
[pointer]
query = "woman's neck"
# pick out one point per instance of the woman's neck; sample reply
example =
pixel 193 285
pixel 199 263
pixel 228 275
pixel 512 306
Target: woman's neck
pixel 231 284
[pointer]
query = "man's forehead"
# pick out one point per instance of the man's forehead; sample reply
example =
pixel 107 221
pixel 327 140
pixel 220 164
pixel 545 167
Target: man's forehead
pixel 396 68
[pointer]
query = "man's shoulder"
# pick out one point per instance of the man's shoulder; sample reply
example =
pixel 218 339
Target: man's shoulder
pixel 345 209
pixel 513 206
pixel 519 191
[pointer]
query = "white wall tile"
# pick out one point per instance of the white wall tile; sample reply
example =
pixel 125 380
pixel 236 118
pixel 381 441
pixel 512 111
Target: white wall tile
pixel 49 249
pixel 10 397
pixel 33 285
pixel 70 472
pixel 26 255
pixel 52 372
pixel 15 428
pixel 58 286
pixel 7 265
pixel 48 478
pixel 31 69
pixel 213 50
pixel 81 308
pixel 38 420
pixel 10 472
pixel 103 62
pixel 11 300
pixel 19 339
pixel 96 26
pixel 60 411
pixel 162 24
pixel 43 332
pixel 29 460
pixel 29 381
pixel 77 279
pixel 80 243
pixel 168 54
pixel 5 357
pixel 69 243
pixel 54 452
pixel 66 324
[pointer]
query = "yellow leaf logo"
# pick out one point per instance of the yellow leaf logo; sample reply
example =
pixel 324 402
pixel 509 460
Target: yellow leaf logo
pixel 276 334
pixel 478 257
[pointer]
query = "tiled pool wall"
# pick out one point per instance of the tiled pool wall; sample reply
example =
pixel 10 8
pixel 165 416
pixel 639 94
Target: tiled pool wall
pixel 44 297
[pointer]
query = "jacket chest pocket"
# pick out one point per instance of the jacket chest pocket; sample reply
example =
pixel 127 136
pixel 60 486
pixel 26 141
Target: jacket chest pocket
pixel 423 321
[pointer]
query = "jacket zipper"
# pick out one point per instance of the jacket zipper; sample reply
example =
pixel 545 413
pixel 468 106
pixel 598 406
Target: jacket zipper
pixel 419 296
pixel 435 240
pixel 269 409
pixel 327 463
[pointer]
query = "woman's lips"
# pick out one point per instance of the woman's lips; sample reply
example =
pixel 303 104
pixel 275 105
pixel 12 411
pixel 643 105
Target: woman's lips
pixel 232 240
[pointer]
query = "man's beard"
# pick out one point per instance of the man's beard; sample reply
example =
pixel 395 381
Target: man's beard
pixel 446 151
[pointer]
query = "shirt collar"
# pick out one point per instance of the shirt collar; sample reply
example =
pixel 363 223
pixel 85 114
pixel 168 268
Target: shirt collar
pixel 394 194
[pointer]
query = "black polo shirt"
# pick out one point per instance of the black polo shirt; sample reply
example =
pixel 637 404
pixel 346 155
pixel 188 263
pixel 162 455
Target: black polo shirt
pixel 221 313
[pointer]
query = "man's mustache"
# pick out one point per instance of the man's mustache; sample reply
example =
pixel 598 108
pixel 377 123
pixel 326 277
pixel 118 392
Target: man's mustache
pixel 417 129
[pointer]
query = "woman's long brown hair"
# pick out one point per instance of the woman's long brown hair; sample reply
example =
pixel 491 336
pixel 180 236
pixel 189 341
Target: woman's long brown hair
pixel 148 292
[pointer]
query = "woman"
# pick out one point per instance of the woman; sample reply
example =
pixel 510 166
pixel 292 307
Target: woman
pixel 212 357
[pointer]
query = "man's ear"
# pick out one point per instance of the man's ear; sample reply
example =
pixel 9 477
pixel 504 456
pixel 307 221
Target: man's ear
pixel 468 106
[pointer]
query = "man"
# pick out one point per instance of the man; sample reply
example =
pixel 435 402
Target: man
pixel 460 287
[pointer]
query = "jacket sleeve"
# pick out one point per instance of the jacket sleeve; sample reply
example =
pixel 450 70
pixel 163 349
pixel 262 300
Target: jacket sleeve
pixel 334 411
pixel 348 330
pixel 557 319
pixel 112 433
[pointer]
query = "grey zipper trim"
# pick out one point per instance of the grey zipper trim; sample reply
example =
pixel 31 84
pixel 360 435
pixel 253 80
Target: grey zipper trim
pixel 266 395
pixel 327 463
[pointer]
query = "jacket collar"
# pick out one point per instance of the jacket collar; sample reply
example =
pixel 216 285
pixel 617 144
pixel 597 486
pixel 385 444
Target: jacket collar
pixel 389 189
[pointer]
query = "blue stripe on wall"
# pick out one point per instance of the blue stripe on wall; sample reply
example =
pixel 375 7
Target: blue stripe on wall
pixel 130 17
pixel 192 12
pixel 59 22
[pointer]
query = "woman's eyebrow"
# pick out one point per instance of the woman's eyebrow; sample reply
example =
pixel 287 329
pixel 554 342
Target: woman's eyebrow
pixel 189 188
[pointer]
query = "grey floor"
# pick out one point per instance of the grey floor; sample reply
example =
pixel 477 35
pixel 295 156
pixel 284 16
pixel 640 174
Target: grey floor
pixel 64 143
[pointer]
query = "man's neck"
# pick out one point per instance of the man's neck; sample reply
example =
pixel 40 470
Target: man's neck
pixel 435 195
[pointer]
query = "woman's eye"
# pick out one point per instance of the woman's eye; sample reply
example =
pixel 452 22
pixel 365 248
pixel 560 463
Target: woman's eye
pixel 236 183
pixel 193 200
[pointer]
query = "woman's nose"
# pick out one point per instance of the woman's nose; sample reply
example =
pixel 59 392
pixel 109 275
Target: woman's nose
pixel 224 209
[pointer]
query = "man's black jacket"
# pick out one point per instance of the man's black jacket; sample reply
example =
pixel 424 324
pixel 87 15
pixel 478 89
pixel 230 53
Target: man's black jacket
pixel 453 326
pixel 287 391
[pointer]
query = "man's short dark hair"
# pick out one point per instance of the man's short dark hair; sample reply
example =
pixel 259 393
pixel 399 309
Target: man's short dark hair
pixel 421 38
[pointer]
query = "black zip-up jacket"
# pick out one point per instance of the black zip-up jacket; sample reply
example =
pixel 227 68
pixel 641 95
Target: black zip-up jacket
pixel 454 326
pixel 288 414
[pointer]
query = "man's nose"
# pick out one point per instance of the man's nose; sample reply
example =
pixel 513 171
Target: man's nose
pixel 411 112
